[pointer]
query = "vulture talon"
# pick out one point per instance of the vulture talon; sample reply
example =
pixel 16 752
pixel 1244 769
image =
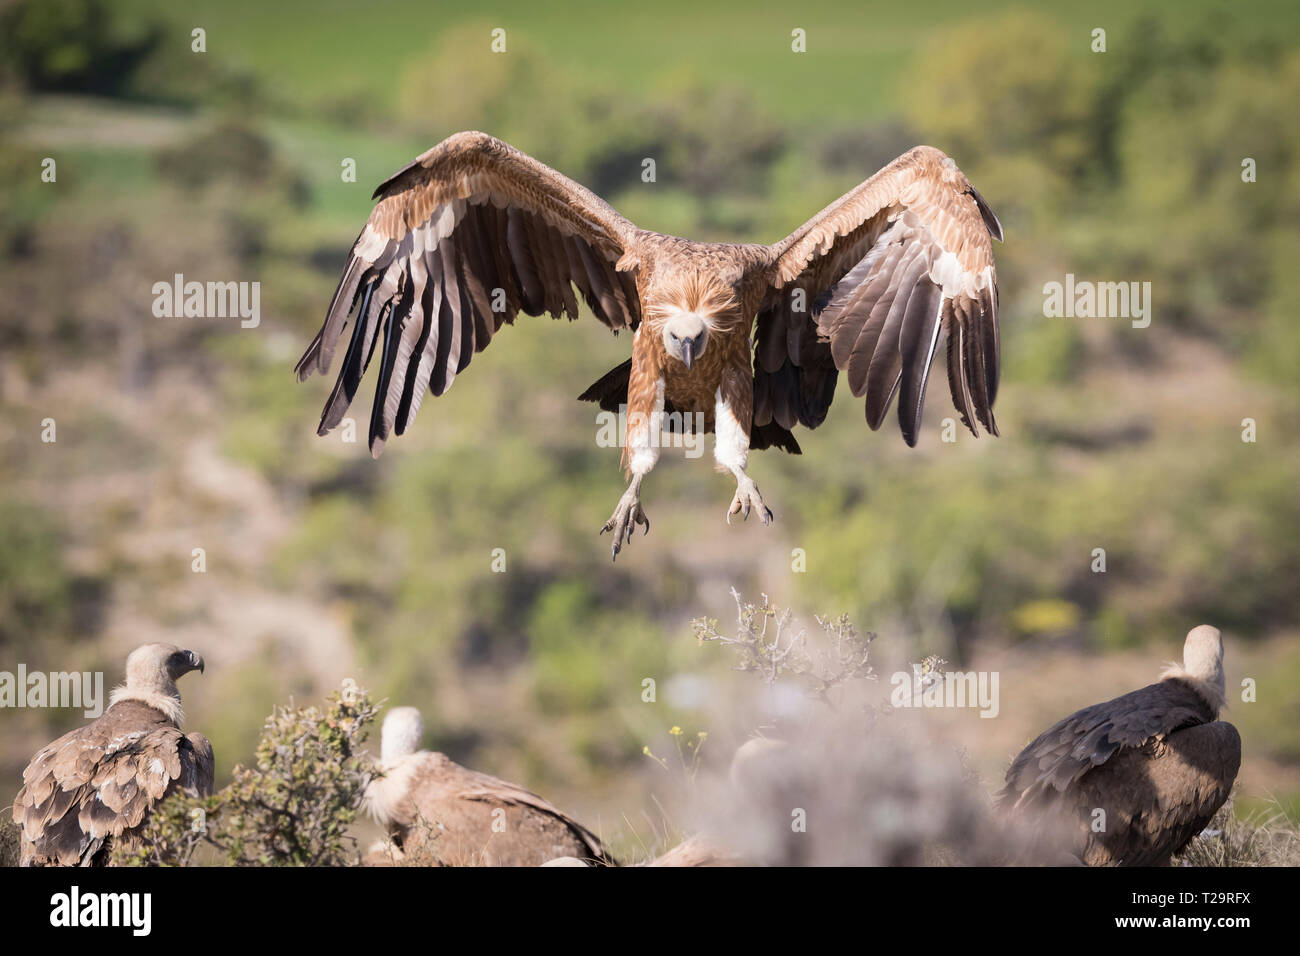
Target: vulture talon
pixel 747 499
pixel 627 515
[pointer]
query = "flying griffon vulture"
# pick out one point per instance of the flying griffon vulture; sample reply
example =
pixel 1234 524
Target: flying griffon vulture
pixel 97 784
pixel 438 811
pixel 1151 767
pixel 748 339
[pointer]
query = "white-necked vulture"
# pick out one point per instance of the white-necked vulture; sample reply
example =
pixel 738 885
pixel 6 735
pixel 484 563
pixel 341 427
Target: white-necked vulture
pixel 1130 781
pixel 96 785
pixel 746 341
pixel 440 813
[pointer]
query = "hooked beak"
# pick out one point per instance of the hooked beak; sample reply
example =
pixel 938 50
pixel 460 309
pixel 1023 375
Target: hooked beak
pixel 687 353
pixel 196 662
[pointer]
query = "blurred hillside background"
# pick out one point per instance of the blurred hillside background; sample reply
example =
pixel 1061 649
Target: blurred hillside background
pixel 175 434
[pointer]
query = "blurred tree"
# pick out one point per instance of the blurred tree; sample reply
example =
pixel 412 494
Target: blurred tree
pixel 710 140
pixel 36 587
pixel 86 46
pixel 1021 126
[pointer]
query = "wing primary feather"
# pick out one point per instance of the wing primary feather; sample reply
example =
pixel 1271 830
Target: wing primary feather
pixel 918 341
pixel 887 361
pixel 975 361
pixel 349 375
pixel 397 312
pixel 448 317
pixel 981 349
pixel 992 345
pixel 411 380
pixel 957 384
pixel 428 357
pixel 858 328
pixel 345 297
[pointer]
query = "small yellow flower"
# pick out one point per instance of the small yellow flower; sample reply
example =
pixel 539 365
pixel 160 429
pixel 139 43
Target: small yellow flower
pixel 702 734
pixel 676 731
pixel 646 750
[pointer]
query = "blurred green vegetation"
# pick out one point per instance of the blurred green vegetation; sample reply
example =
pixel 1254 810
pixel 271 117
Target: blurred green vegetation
pixel 1117 166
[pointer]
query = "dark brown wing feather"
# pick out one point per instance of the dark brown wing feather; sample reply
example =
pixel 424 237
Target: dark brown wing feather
pixel 98 783
pixel 461 241
pixel 867 287
pixel 1071 747
pixel 1156 798
pixel 198 766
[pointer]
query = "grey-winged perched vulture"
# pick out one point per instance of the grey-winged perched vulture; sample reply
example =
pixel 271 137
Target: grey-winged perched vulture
pixel 437 811
pixel 745 340
pixel 97 784
pixel 1131 781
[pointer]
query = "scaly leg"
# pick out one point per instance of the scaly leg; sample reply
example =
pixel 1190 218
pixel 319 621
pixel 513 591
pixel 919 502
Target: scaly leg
pixel 747 497
pixel 627 516
pixel 642 453
pixel 732 453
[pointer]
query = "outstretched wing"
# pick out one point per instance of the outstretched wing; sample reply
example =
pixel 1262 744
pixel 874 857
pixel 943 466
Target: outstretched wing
pixel 461 241
pixel 866 287
pixel 1088 738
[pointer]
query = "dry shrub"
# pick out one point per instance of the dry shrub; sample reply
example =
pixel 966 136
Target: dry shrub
pixel 1265 837
pixel 294 807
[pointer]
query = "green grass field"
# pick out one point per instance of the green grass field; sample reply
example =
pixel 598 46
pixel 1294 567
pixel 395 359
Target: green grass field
pixel 857 55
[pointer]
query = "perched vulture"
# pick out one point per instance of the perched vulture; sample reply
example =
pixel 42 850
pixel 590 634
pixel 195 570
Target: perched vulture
pixel 746 341
pixel 439 812
pixel 97 784
pixel 1129 782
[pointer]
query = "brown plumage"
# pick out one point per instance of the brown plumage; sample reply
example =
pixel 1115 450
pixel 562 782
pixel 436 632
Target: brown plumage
pixel 438 812
pixel 97 785
pixel 1157 763
pixel 750 338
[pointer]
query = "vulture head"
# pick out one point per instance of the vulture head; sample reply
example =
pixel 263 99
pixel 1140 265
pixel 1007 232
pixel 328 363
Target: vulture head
pixel 1202 664
pixel 693 311
pixel 686 336
pixel 152 671
pixel 401 734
